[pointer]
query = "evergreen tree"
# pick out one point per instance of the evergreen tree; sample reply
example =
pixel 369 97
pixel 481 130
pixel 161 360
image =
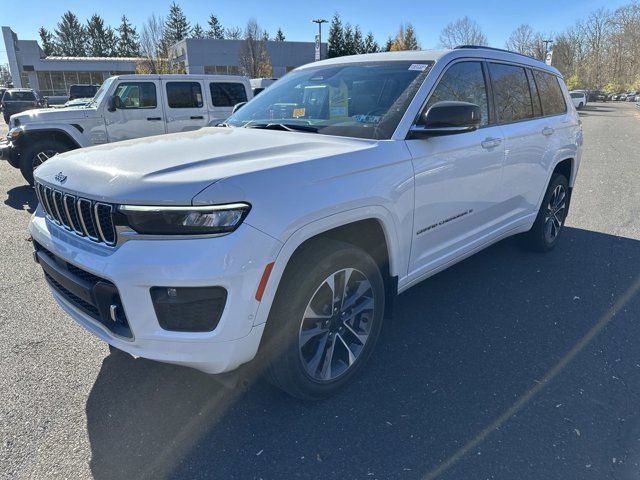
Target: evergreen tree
pixel 389 45
pixel 128 40
pixel 215 28
pixel 101 40
pixel 233 33
pixel 279 35
pixel 71 36
pixel 349 45
pixel 358 42
pixel 198 32
pixel 410 40
pixel 47 42
pixel 336 37
pixel 370 44
pixel 176 27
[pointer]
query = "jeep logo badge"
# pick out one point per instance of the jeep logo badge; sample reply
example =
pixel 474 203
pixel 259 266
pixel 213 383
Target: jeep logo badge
pixel 60 177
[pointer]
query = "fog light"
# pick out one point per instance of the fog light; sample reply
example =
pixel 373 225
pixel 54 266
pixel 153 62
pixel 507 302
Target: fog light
pixel 188 309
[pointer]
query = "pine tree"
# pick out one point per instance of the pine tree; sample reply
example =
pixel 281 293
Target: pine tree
pixel 358 42
pixel 279 35
pixel 101 40
pixel 47 41
pixel 349 45
pixel 215 28
pixel 128 40
pixel 410 40
pixel 198 32
pixel 233 33
pixel 336 37
pixel 389 45
pixel 370 44
pixel 176 27
pixel 71 35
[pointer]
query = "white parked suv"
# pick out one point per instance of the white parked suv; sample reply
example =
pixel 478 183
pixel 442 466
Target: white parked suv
pixel 579 99
pixel 125 107
pixel 289 230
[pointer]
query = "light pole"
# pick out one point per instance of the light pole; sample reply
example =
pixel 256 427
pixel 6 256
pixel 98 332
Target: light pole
pixel 319 21
pixel 546 47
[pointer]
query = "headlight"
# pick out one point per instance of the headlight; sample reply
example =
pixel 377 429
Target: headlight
pixel 14 133
pixel 198 220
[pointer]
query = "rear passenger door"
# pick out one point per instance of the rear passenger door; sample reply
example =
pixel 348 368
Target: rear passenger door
pixel 225 96
pixel 526 136
pixel 185 106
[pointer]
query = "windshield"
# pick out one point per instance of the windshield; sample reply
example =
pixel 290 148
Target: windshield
pixel 102 91
pixel 363 100
pixel 19 96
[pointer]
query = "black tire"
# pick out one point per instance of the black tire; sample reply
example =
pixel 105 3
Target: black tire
pixel 540 238
pixel 304 281
pixel 30 159
pixel 580 105
pixel 6 118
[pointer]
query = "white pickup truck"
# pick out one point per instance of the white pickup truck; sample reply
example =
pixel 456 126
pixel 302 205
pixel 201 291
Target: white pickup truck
pixel 125 107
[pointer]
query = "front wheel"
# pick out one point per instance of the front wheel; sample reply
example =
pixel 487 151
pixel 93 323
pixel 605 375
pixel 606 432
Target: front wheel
pixel 546 230
pixel 325 320
pixel 35 155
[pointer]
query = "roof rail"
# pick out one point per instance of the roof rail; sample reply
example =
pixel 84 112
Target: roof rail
pixel 481 47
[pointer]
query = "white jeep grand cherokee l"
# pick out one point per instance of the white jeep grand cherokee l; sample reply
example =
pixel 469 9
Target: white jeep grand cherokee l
pixel 290 228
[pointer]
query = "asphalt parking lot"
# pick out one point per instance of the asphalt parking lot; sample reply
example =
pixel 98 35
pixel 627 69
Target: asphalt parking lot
pixel 508 365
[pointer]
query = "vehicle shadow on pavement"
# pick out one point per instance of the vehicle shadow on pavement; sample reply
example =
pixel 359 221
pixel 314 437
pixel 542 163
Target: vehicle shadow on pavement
pixel 463 347
pixel 22 198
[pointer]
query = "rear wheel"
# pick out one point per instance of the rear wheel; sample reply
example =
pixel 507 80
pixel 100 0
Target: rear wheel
pixel 35 155
pixel 6 118
pixel 580 105
pixel 325 320
pixel 546 230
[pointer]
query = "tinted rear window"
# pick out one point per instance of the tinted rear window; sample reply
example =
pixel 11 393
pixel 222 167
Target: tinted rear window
pixel 550 93
pixel 184 94
pixel 19 97
pixel 227 94
pixel 511 92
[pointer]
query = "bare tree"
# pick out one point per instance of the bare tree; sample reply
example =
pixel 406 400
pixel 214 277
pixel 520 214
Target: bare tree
pixel 522 40
pixel 463 31
pixel 254 58
pixel 151 46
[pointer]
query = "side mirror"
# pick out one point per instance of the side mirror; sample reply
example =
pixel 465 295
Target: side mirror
pixel 237 107
pixel 447 118
pixel 114 103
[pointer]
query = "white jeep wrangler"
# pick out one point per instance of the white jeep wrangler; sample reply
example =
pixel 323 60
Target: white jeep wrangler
pixel 290 229
pixel 125 107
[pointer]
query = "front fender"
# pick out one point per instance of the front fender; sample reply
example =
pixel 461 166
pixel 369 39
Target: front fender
pixel 315 228
pixel 68 130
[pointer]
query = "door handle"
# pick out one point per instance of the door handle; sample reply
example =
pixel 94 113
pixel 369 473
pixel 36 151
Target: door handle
pixel 489 142
pixel 196 117
pixel 546 131
pixel 154 118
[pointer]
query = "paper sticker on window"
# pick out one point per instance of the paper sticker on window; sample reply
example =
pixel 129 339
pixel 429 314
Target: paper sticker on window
pixel 339 101
pixel 338 112
pixel 420 67
pixel 298 112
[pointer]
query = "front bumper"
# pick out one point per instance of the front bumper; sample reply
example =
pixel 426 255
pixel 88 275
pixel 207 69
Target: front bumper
pixel 235 262
pixel 9 152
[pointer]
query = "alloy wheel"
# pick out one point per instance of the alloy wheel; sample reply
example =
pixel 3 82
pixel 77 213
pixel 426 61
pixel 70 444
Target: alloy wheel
pixel 336 324
pixel 41 157
pixel 556 210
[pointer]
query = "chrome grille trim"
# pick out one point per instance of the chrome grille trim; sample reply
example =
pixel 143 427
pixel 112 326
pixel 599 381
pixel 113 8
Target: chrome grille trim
pixel 101 232
pixel 84 217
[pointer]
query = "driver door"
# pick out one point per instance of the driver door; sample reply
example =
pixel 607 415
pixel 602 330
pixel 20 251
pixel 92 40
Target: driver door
pixel 457 177
pixel 139 111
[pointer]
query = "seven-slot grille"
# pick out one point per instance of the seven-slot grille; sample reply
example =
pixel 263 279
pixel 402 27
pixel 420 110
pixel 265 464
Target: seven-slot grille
pixel 85 217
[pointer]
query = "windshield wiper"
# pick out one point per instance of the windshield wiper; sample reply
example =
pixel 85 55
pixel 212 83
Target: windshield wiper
pixel 289 127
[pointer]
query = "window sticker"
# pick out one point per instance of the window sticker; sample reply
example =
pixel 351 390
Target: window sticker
pixel 420 67
pixel 298 112
pixel 339 101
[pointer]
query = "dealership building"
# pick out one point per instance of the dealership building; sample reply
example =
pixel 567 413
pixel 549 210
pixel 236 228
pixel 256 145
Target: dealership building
pixel 52 76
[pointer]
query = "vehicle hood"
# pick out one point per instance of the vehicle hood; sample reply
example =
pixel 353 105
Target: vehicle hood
pixel 52 115
pixel 173 169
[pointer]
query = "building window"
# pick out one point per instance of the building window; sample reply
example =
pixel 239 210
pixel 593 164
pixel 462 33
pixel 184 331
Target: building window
pixel 222 70
pixel 24 78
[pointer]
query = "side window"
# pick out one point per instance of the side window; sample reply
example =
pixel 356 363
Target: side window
pixel 511 92
pixel 184 95
pixel 537 106
pixel 137 95
pixel 551 95
pixel 227 94
pixel 463 82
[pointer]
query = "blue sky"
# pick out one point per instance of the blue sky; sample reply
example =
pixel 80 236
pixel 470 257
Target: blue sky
pixel 382 17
